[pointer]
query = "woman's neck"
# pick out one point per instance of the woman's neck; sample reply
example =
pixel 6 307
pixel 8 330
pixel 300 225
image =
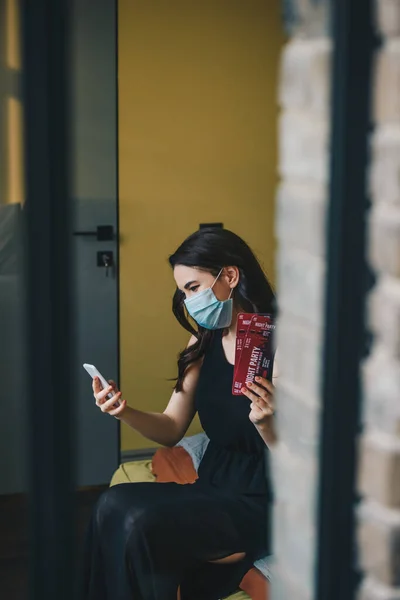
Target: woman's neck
pixel 231 330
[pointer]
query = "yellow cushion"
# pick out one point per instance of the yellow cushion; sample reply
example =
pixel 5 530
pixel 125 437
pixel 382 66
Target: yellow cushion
pixel 133 472
pixel 138 471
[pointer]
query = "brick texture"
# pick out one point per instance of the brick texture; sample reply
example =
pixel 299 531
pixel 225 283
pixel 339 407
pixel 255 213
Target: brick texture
pixel 385 167
pixel 303 140
pixel 388 13
pixel 372 589
pixel 384 321
pixel 301 230
pixel 379 447
pixel 301 284
pixel 301 216
pixel 379 539
pixel 305 81
pixel 384 236
pixel 300 353
pixel 380 468
pixel 307 18
pixel 387 83
pixel 381 384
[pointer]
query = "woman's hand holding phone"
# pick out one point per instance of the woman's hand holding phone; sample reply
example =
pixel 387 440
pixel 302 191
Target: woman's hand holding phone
pixel 114 406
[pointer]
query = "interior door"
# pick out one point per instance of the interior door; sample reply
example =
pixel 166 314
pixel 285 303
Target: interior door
pixel 94 157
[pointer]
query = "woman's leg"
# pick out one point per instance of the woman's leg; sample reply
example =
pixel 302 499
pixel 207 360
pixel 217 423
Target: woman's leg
pixel 144 537
pixel 120 561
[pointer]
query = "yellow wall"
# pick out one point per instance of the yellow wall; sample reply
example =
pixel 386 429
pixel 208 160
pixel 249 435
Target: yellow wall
pixel 197 143
pixel 11 121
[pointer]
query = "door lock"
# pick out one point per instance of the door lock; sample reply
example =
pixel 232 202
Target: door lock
pixel 105 259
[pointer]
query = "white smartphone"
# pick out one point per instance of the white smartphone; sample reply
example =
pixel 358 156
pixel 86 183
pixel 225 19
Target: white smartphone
pixel 93 372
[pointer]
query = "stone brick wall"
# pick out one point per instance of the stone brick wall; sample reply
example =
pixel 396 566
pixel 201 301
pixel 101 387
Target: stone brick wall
pixel 379 470
pixel 301 214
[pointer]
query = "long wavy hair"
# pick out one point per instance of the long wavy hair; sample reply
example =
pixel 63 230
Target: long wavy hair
pixel 211 249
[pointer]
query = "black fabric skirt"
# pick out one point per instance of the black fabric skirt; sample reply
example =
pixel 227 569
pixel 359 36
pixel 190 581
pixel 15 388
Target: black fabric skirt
pixel 147 539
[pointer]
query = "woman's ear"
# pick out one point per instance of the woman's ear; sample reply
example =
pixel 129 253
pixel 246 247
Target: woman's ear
pixel 233 275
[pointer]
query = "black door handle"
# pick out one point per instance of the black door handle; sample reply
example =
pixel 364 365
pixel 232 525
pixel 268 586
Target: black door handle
pixel 103 233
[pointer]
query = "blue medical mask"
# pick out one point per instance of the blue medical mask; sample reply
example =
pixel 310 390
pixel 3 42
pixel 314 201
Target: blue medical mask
pixel 209 312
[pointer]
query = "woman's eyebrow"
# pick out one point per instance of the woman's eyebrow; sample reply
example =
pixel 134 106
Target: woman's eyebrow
pixel 189 284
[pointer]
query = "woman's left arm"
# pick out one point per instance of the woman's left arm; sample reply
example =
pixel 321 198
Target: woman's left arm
pixel 261 393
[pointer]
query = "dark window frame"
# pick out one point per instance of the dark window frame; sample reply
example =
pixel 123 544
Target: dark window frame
pixel 345 340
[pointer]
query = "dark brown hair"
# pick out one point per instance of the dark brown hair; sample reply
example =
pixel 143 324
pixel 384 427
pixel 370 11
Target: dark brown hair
pixel 211 249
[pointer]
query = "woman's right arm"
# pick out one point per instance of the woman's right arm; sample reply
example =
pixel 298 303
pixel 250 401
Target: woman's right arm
pixel 166 428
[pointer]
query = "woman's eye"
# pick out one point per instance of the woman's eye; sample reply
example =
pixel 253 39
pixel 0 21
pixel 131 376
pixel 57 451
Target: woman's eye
pixel 194 288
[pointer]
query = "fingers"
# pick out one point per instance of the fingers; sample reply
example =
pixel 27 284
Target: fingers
pixel 109 405
pixel 102 395
pixel 256 391
pixel 96 385
pixel 265 383
pixel 112 406
pixel 258 395
pixel 113 384
pixel 262 411
pixel 116 411
pixel 262 405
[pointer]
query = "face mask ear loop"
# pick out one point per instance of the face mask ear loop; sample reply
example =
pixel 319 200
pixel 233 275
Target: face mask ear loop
pixel 216 279
pixel 230 295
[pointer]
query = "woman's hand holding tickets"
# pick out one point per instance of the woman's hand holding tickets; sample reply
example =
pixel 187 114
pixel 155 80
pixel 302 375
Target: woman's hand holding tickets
pixel 113 406
pixel 261 393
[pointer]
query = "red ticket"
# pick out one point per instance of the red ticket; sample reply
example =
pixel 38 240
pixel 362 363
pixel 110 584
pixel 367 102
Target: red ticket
pixel 243 323
pixel 257 352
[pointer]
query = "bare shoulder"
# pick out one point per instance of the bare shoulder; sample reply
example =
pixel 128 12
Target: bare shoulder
pixel 196 365
pixel 192 341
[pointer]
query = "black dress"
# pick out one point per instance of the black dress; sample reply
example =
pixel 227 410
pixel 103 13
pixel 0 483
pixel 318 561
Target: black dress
pixel 146 539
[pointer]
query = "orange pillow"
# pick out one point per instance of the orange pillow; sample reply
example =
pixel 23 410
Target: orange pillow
pixel 173 465
pixel 255 585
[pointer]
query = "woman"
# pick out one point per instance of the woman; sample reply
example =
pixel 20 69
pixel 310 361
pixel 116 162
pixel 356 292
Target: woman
pixel 146 540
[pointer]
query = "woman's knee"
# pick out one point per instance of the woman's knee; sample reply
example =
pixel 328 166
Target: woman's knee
pixel 111 503
pixel 143 521
pixel 121 507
